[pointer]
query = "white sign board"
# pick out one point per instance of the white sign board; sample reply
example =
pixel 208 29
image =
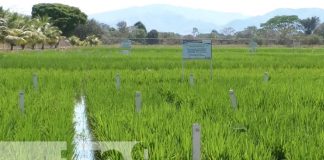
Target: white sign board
pixel 197 49
pixel 126 44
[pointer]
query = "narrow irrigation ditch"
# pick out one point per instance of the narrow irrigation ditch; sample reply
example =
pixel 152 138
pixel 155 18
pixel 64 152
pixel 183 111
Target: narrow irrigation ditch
pixel 82 139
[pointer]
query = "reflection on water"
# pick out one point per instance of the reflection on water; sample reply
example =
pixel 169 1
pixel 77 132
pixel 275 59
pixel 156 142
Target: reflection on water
pixel 82 138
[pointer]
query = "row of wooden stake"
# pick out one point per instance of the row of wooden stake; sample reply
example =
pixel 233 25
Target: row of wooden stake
pixel 138 96
pixel 196 129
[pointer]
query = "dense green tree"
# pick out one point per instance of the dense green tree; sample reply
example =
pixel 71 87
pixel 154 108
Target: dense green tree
pixel 283 26
pixel 92 27
pixel 320 30
pixel 282 23
pixel 65 17
pixel 140 25
pixel 122 27
pixel 195 31
pixel 137 34
pixel 213 34
pixel 309 24
pixel 153 36
pixel 228 32
pixel 249 32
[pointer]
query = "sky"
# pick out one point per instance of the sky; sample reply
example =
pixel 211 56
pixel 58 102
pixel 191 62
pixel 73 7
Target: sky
pixel 245 7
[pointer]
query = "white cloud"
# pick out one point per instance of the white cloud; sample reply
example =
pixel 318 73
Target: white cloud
pixel 247 7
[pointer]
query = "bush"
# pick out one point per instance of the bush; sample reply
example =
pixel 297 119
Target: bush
pixel 311 40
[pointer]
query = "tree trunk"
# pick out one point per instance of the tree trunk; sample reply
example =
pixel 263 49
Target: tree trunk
pixel 43 46
pixel 33 46
pixel 57 44
pixel 11 46
pixel 22 47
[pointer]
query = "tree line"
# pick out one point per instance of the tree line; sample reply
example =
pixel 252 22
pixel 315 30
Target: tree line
pixel 48 24
pixel 283 29
pixel 51 22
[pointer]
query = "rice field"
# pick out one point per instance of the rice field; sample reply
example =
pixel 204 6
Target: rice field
pixel 279 119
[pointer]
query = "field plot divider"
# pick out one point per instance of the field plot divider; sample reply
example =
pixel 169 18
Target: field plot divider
pixel 82 139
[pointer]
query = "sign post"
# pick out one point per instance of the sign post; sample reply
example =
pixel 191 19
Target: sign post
pixel 233 99
pixel 296 45
pixel 191 80
pixel 126 46
pixel 117 81
pixel 196 144
pixel 138 101
pixel 253 46
pixel 197 49
pixel 35 81
pixel 22 101
pixel 146 154
pixel 266 77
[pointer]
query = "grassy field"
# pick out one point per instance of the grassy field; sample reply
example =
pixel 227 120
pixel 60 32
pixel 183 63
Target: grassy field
pixel 283 118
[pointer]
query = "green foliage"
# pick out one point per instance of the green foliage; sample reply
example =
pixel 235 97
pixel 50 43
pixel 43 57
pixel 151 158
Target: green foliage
pixel 311 40
pixel 281 23
pixel 15 37
pixel 284 26
pixel 91 27
pixel 90 40
pixel 3 28
pixel 320 30
pixel 65 17
pixel 140 25
pixel 45 109
pixel 122 27
pixel 152 37
pixel 309 24
pixel 93 40
pixel 22 30
pixel 75 41
pixel 284 117
pixel 137 35
pixel 249 32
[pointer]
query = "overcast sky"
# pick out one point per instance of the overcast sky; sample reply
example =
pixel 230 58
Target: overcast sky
pixel 246 7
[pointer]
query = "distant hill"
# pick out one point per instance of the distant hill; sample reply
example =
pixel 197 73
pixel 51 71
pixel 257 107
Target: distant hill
pixel 257 20
pixel 181 20
pixel 170 18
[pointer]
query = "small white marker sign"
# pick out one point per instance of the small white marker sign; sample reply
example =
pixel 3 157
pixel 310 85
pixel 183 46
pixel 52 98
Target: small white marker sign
pixel 138 101
pixel 197 49
pixel 196 136
pixel 253 46
pixel 35 81
pixel 191 80
pixel 117 81
pixel 266 77
pixel 22 101
pixel 146 154
pixel 233 99
pixel 126 45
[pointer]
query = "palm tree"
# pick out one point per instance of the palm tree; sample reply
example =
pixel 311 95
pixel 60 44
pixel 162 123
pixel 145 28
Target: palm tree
pixel 46 32
pixel 53 35
pixel 15 37
pixel 92 40
pixel 3 28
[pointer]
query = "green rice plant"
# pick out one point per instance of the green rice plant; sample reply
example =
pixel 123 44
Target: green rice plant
pixel 279 119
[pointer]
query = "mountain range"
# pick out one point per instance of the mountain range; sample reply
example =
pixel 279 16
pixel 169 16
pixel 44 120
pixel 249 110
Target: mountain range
pixel 167 18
